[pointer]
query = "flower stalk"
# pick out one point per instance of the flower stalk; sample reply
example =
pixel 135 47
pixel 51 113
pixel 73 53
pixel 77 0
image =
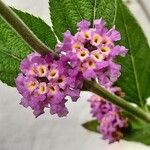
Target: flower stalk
pixel 28 36
pixel 22 30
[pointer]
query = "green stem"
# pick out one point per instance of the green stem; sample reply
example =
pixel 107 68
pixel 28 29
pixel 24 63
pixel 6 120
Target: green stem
pixel 97 89
pixel 20 27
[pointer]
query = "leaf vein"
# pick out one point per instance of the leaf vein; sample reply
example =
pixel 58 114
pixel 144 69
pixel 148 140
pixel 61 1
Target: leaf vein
pixel 94 11
pixel 132 59
pixel 115 12
pixel 12 55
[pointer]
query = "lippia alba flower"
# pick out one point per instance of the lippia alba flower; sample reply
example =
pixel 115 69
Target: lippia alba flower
pixel 92 51
pixel 44 83
pixel 110 118
pixel 112 126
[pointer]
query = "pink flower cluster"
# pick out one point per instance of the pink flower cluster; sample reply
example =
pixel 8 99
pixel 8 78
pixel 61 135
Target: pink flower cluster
pixel 92 52
pixel 109 116
pixel 44 83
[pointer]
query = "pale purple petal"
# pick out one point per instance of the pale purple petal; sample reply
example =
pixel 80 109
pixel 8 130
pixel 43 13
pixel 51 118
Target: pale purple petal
pixel 83 25
pixel 113 34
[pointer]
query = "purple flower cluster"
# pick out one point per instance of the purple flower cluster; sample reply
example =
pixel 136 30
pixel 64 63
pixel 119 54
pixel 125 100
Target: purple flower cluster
pixel 112 123
pixel 91 52
pixel 45 83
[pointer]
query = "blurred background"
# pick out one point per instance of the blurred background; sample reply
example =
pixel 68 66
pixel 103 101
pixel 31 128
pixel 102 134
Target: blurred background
pixel 19 130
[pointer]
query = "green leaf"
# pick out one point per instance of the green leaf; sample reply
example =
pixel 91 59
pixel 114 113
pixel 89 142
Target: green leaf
pixel 13 49
pixel 91 125
pixel 107 9
pixel 136 132
pixel 38 27
pixel 139 135
pixel 65 14
pixel 135 76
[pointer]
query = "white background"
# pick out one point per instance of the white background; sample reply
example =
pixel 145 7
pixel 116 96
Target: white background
pixel 19 130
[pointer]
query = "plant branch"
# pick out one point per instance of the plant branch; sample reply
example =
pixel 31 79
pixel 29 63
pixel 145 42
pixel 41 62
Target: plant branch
pixel 97 89
pixel 20 27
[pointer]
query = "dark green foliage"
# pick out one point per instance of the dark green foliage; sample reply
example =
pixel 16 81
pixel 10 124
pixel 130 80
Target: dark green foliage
pixel 13 49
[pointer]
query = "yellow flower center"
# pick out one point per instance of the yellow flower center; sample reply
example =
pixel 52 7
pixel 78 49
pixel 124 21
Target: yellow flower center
pixel 53 74
pixel 32 85
pixel 42 89
pixel 97 57
pixel 76 47
pixel 42 70
pixel 105 50
pixel 82 55
pixel 87 35
pixel 96 40
pixel 91 64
